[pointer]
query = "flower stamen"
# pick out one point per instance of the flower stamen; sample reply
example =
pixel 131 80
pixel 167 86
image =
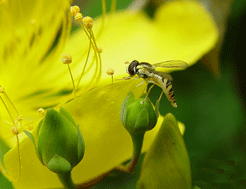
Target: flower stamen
pixel 5 105
pixel 110 71
pixel 15 129
pixel 67 59
pixel 74 10
pixel 41 110
pixel 78 17
pixel 86 24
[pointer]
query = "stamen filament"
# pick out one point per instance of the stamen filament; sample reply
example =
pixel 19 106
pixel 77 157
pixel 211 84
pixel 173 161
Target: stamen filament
pixel 19 156
pixel 15 131
pixel 103 13
pixel 74 91
pixel 7 110
pixel 86 24
pixel 91 37
pixel 67 59
pixel 85 64
pixel 11 103
pixel 98 56
pixel 113 7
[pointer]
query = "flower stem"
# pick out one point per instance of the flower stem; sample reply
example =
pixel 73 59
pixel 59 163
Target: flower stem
pixel 137 141
pixel 66 180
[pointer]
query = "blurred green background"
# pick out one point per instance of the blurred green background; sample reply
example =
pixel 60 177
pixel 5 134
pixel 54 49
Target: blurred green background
pixel 212 109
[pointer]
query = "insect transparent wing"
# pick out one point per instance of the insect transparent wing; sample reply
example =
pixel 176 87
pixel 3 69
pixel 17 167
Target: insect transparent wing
pixel 165 75
pixel 171 64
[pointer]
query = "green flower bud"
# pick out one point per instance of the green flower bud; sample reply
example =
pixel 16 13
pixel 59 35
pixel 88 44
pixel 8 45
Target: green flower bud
pixel 60 145
pixel 138 115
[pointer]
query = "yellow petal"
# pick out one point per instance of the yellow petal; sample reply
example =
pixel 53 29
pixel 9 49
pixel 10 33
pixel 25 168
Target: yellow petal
pixel 107 142
pixel 27 35
pixel 188 30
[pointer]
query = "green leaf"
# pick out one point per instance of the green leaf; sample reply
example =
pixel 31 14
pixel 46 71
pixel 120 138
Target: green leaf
pixel 166 165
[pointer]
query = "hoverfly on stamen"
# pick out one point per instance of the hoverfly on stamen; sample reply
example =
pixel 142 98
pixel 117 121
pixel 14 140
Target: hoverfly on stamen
pixel 150 75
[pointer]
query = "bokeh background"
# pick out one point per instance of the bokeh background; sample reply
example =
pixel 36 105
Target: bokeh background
pixel 211 105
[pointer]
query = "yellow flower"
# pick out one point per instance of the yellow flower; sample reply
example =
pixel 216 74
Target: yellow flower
pixel 33 76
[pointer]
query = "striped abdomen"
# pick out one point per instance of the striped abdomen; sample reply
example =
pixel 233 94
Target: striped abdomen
pixel 169 92
pixel 167 88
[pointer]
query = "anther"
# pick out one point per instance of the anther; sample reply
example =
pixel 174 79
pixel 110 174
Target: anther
pixel 15 130
pixel 78 17
pixel 41 110
pixel 74 10
pixel 66 58
pixel 110 71
pixel 88 22
pixel 19 118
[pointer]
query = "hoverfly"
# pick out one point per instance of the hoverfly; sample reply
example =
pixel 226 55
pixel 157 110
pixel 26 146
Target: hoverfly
pixel 150 75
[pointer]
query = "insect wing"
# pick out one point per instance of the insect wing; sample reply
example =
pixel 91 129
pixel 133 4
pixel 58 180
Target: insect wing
pixel 171 64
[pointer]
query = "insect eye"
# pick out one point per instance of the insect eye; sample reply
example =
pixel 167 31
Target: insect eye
pixel 132 68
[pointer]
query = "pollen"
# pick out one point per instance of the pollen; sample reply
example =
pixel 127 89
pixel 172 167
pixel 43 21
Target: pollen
pixel 88 22
pixel 74 10
pixel 41 110
pixel 110 71
pixel 78 17
pixel 66 58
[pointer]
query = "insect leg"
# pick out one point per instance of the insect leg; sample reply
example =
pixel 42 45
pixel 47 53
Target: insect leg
pixel 124 78
pixel 157 105
pixel 139 83
pixel 160 96
pixel 148 92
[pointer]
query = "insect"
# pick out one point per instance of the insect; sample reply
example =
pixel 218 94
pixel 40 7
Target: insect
pixel 150 75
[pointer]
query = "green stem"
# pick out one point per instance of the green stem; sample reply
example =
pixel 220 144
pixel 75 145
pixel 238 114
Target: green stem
pixel 137 141
pixel 66 180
